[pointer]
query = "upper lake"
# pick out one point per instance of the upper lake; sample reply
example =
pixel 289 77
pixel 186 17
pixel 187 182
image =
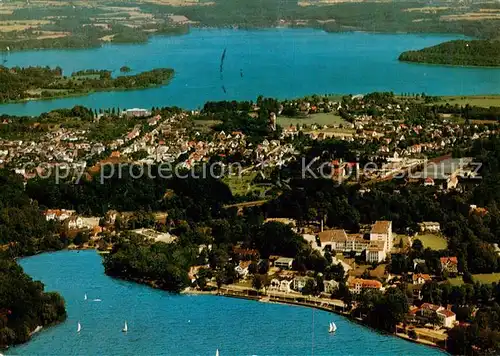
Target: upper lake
pixel 160 323
pixel 281 63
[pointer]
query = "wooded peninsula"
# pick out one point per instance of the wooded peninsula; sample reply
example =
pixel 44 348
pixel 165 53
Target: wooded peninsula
pixel 483 53
pixel 34 83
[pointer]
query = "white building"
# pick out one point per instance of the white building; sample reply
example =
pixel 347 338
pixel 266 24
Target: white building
pixel 330 286
pixel 376 251
pixel 382 231
pixel 429 226
pixel 284 263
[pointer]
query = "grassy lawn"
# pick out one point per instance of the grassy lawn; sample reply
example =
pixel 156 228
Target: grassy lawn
pixel 205 125
pixel 486 278
pixel 434 242
pixel 242 185
pixel 318 119
pixel 477 100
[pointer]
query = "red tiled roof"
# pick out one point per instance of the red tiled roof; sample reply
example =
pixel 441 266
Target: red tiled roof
pixel 447 313
pixel 445 260
pixel 430 306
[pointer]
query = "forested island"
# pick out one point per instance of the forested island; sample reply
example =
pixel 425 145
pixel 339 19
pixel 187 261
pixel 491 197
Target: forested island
pixel 24 306
pixel 482 53
pixel 34 83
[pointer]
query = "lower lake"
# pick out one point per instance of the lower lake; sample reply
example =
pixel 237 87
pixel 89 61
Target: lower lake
pixel 163 324
pixel 283 63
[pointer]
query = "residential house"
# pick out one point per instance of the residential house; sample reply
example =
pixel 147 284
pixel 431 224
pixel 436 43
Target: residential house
pixel 74 223
pixel 242 268
pixel 449 264
pixel 58 214
pixel 283 285
pixel 429 226
pixel 299 282
pixel 330 286
pixel 429 182
pixel 356 285
pixel 446 317
pixel 421 278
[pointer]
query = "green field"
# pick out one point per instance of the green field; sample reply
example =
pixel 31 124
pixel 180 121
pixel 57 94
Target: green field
pixel 242 185
pixel 474 100
pixel 432 241
pixel 205 125
pixel 486 278
pixel 318 119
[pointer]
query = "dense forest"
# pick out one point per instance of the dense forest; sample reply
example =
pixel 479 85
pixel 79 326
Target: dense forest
pixel 460 52
pixel 23 303
pixel 18 83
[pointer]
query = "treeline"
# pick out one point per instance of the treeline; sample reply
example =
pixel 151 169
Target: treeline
pixel 23 231
pixel 459 52
pixel 24 305
pixel 166 265
pixel 251 119
pixel 22 228
pixel 127 189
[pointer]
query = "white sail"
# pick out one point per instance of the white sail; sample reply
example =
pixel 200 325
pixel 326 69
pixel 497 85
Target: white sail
pixel 85 297
pixel 125 328
pixel 334 327
pixel 79 327
pixel 217 352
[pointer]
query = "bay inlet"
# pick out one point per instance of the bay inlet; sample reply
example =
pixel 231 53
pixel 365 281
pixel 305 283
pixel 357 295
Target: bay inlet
pixel 160 323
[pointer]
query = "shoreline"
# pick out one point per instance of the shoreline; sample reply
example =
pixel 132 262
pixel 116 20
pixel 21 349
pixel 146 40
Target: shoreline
pixel 89 93
pixel 284 301
pixel 331 306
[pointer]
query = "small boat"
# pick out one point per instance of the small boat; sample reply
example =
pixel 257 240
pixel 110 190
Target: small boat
pixel 85 297
pixel 96 300
pixel 79 328
pixel 332 327
pixel 217 352
pixel 125 328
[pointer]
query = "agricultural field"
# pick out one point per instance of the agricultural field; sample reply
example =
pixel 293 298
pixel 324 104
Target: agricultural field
pixel 432 241
pixel 473 100
pixel 485 278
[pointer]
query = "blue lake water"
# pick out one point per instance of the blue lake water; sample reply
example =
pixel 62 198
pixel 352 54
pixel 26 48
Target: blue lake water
pixel 281 63
pixel 164 324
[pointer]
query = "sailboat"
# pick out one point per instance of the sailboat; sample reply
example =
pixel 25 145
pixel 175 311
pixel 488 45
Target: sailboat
pixel 79 328
pixel 217 352
pixel 332 327
pixel 125 328
pixel 85 297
